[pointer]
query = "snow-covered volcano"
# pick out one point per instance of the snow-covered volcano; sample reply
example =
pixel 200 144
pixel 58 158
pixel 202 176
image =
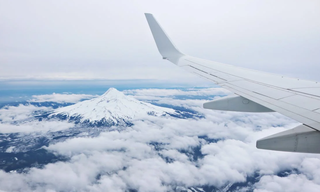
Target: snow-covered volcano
pixel 111 108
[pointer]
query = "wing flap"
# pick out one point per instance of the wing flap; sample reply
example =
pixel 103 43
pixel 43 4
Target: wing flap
pixel 274 93
pixel 312 91
pixel 303 102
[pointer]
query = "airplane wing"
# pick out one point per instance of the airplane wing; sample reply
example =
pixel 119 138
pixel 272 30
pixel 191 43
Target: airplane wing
pixel 257 92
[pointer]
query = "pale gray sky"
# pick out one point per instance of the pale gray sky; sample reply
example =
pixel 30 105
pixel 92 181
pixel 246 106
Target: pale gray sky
pixel 79 39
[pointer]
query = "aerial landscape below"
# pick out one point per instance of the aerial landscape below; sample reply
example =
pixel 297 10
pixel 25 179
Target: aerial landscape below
pixel 160 96
pixel 145 139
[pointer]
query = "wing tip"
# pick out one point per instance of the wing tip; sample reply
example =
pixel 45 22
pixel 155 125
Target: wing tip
pixel 164 44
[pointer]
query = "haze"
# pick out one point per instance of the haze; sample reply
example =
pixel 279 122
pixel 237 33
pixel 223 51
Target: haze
pixel 111 39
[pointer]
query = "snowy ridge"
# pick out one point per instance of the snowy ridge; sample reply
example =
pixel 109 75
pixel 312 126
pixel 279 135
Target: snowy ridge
pixel 112 107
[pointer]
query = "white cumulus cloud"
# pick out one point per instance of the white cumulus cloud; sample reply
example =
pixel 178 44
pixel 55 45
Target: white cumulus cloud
pixel 160 154
pixel 61 98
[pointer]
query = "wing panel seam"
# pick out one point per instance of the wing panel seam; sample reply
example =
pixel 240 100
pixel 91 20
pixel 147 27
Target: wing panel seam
pixel 207 73
pixel 257 82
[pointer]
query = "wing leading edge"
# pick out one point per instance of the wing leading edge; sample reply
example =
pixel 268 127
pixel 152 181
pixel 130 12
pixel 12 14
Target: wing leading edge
pixel 258 92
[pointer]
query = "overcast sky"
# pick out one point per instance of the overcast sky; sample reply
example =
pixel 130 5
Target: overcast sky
pixel 111 39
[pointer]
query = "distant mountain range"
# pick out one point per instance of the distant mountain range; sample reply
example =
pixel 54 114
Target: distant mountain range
pixel 113 108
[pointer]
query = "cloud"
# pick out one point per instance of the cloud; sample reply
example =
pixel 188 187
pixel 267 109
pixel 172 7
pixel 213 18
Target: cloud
pixel 61 98
pixel 171 96
pixel 311 167
pixel 294 182
pixel 76 45
pixel 20 112
pixel 35 126
pixel 173 92
pixel 20 119
pixel 127 159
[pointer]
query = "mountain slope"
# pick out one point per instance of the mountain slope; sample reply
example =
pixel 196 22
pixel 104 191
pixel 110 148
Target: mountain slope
pixel 111 108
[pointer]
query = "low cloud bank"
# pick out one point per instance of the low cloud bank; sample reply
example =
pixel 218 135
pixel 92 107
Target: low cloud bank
pixel 160 154
pixel 61 98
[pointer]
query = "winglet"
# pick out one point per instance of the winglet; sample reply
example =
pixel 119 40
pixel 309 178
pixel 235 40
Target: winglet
pixel 165 46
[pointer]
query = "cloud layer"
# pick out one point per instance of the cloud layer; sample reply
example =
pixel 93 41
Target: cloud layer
pixel 111 39
pixel 161 154
pixel 61 98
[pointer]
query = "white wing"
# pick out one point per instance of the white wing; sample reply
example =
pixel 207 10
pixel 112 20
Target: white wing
pixel 258 92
